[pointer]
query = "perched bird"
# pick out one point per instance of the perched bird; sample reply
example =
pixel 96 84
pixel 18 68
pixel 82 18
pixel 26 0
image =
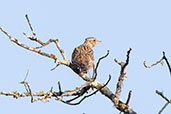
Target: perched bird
pixel 83 57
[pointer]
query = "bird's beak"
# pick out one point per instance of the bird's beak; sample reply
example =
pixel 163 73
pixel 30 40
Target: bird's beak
pixel 97 41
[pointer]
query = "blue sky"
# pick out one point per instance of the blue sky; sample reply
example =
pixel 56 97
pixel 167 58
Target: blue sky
pixel 145 26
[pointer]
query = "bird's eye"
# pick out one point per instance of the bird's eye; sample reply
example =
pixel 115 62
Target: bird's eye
pixel 94 40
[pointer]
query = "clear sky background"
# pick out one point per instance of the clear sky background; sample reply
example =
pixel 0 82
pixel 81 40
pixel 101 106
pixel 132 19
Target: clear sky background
pixel 144 25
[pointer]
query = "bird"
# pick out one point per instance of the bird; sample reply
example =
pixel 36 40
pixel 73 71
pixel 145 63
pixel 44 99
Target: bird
pixel 83 55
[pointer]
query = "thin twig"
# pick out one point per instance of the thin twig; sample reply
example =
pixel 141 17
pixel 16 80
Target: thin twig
pixel 47 43
pixel 26 76
pixel 27 86
pixel 161 94
pixel 149 66
pixel 163 108
pixel 167 62
pixel 34 34
pixel 129 97
pixel 55 67
pixel 24 81
pixel 61 50
pixel 82 92
pixel 28 89
pixel 159 61
pixel 59 85
pixel 95 69
pixel 165 98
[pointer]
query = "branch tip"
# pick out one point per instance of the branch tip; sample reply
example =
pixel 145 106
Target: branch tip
pixel 163 53
pixel 26 15
pixel 129 97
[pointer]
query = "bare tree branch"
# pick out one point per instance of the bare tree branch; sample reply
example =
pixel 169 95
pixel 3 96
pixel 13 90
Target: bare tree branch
pixel 163 108
pixel 123 107
pixel 55 67
pixel 28 89
pixel 157 92
pixel 31 28
pixel 160 61
pixel 157 62
pixel 161 94
pixel 95 69
pixel 129 97
pixel 68 102
pixel 44 95
pixel 165 98
pixel 167 62
pixel 121 77
pixel 32 48
pixel 65 62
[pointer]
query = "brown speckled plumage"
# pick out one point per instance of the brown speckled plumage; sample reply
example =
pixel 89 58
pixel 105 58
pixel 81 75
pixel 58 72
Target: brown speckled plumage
pixel 82 56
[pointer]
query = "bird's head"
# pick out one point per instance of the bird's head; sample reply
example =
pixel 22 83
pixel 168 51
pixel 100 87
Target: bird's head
pixel 91 41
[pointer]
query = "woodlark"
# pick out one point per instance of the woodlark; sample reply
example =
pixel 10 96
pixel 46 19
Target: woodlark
pixel 83 57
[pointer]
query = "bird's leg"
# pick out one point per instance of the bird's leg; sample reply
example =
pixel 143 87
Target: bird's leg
pixel 90 78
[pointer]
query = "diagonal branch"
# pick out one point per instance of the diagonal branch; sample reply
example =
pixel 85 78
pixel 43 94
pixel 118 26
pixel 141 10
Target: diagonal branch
pixel 163 108
pixel 31 28
pixel 161 94
pixel 31 48
pixel 165 98
pixel 167 62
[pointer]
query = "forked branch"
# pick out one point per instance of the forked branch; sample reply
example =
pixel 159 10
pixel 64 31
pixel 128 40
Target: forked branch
pixel 165 98
pixel 123 107
pixel 159 61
